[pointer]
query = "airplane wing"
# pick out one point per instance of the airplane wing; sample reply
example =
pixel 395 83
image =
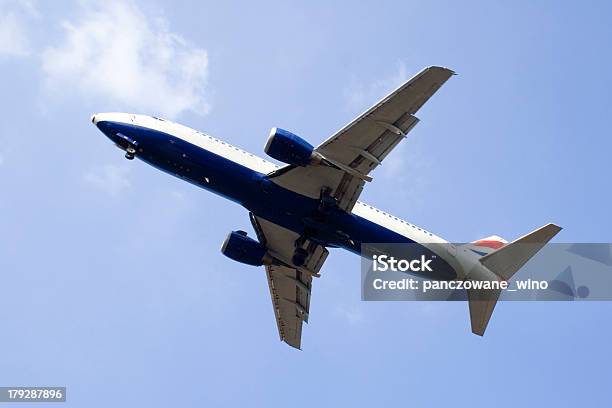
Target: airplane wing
pixel 290 287
pixel 361 146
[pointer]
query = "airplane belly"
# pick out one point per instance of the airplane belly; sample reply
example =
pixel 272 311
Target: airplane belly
pixel 199 166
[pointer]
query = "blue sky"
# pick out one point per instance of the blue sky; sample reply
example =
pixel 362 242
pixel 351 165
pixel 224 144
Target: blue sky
pixel 112 282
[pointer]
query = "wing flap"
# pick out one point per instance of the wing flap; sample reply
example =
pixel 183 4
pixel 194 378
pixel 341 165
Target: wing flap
pixel 291 302
pixel 290 286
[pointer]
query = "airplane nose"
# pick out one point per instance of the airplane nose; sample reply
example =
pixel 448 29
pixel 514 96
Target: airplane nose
pixel 93 118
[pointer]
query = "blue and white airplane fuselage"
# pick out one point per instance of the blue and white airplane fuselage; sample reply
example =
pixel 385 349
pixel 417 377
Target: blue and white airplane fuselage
pixel 241 177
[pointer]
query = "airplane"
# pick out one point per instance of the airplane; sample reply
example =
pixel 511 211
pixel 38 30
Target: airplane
pixel 311 204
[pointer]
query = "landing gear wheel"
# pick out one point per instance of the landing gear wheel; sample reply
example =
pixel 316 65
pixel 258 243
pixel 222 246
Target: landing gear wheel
pixel 299 256
pixel 130 152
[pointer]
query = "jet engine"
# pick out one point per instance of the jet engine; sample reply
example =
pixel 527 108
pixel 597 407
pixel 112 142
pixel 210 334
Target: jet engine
pixel 288 148
pixel 291 149
pixel 241 248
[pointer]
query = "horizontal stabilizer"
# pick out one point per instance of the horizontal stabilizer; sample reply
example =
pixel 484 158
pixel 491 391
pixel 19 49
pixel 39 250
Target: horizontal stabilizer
pixel 482 302
pixel 507 260
pixel 504 263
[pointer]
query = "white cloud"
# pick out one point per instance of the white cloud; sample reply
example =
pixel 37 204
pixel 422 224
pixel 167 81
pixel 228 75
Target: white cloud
pixel 13 36
pixel 115 52
pixel 110 178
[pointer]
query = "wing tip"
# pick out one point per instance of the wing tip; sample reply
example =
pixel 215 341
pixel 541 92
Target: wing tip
pixel 478 332
pixel 550 230
pixel 441 68
pixel 295 346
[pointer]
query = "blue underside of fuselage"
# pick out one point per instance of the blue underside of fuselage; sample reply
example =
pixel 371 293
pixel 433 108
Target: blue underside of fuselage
pixel 255 192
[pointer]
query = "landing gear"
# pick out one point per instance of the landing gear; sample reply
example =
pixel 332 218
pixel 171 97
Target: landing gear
pixel 130 152
pixel 327 203
pixel 314 226
pixel 128 144
pixel 299 256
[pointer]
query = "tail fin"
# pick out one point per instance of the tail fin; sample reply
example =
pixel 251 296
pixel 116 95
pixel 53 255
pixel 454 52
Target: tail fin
pixel 507 260
pixel 486 245
pixel 504 263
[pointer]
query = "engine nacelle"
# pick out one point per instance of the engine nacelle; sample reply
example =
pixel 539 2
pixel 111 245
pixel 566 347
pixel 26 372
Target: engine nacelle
pixel 289 148
pixel 239 247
